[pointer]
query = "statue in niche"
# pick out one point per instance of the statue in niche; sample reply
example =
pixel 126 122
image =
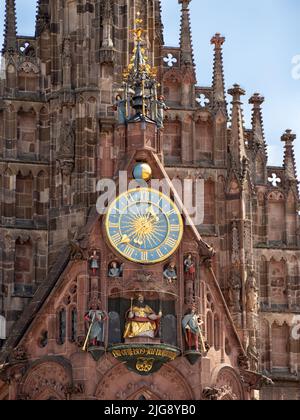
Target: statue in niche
pixel 189 267
pixel 121 107
pixel 94 262
pixel 96 318
pixel 115 270
pixel 67 62
pixel 191 325
pixel 235 292
pixel 252 293
pixel 141 320
pixel 160 112
pixel 67 141
pixel 170 273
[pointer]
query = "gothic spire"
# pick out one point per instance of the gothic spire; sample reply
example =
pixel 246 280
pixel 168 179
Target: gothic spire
pixel 219 97
pixel 237 142
pixel 186 45
pixel 10 27
pixel 140 78
pixel 158 21
pixel 289 155
pixel 42 16
pixel 257 122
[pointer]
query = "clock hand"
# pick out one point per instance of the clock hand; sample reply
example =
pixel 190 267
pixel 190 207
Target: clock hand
pixel 150 212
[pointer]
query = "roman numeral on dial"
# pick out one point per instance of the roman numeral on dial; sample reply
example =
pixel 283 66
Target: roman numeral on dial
pixel 113 225
pixel 128 251
pixel 171 212
pixel 171 242
pixel 160 254
pixel 116 239
pixel 145 256
pixel 175 228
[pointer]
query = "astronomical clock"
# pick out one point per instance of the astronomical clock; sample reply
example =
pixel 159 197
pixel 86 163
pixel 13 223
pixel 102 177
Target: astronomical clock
pixel 144 226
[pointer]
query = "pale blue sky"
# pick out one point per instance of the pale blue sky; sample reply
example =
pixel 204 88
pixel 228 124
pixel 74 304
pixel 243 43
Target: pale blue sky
pixel 262 37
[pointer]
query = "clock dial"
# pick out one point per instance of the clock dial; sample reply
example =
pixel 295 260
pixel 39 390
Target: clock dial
pixel 144 226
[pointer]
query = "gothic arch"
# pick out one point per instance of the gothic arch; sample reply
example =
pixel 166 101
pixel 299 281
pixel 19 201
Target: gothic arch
pixel 11 75
pixel 280 345
pixel 8 188
pixel 228 381
pixel 265 356
pixel 172 82
pixel 46 379
pixel 27 133
pixel 144 394
pixel 49 395
pixel 121 384
pixel 260 168
pixel 28 76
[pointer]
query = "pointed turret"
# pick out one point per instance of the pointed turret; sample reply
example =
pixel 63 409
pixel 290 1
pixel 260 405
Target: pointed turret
pixel 10 28
pixel 42 16
pixel 289 155
pixel 219 97
pixel 237 142
pixel 257 122
pixel 186 45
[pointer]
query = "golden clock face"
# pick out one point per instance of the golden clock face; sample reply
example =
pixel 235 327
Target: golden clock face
pixel 144 226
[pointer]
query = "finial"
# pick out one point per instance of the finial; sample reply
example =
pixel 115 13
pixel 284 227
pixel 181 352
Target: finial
pixel 237 143
pixel 219 97
pixel 288 137
pixel 289 155
pixel 257 100
pixel 258 139
pixel 218 40
pixel 236 92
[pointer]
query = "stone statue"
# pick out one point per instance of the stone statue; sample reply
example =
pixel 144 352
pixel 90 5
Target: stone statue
pixel 191 325
pixel 115 270
pixel 161 108
pixel 235 292
pixel 252 293
pixel 170 273
pixel 67 62
pixel 67 141
pixel 94 262
pixel 96 317
pixel 121 107
pixel 141 320
pixel 189 267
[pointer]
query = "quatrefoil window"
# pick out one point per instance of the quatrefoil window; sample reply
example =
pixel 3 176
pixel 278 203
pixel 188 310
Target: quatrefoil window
pixel 274 180
pixel 170 60
pixel 202 100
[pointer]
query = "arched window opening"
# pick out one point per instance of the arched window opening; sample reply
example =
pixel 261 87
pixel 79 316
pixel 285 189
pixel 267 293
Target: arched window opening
pixel 73 328
pixel 210 329
pixel 61 327
pixel 217 333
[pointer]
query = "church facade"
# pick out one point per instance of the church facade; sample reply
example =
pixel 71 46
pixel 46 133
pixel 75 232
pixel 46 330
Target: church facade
pixel 139 301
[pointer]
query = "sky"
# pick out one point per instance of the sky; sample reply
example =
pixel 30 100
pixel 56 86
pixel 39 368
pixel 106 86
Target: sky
pixel 262 42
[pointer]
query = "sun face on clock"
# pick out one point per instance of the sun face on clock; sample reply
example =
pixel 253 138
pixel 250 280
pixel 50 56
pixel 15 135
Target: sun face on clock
pixel 144 226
